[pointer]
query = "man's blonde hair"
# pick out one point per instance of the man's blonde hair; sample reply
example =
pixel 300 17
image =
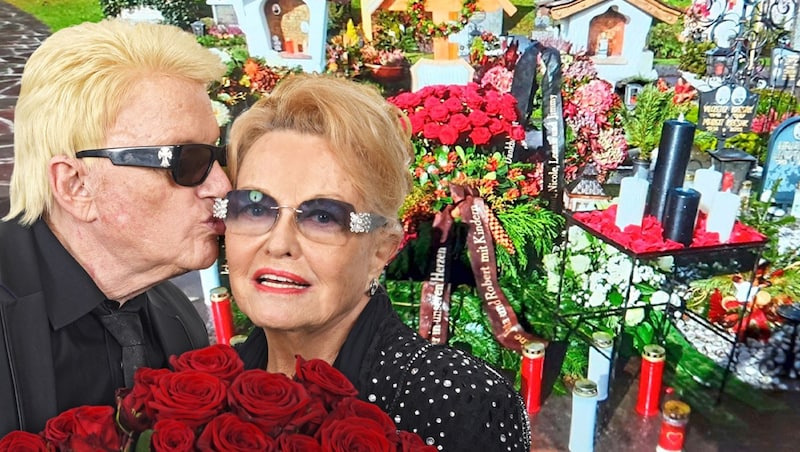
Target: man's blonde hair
pixel 74 86
pixel 369 137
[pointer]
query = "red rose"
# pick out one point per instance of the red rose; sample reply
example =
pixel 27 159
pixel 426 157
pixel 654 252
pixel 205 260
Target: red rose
pixel 417 121
pixel 229 433
pixel 454 105
pixel 460 122
pixel 492 108
pixel 190 396
pixel 478 118
pixel 480 135
pixel 269 400
pixel 406 101
pixel 517 133
pixel 411 442
pixel 448 135
pixel 431 102
pixel 496 126
pixel 323 381
pixel 295 442
pixel 344 435
pixel 132 403
pixel 508 113
pixel 220 360
pixel 95 429
pixel 171 435
pixel 58 430
pixel 352 407
pixel 22 441
pixel 431 131
pixel 439 113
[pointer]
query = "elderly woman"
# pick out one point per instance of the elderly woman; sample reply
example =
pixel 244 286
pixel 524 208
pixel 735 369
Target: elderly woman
pixel 320 169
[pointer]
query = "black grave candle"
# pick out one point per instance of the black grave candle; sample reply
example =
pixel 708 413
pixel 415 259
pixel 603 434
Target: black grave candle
pixel 680 214
pixel 674 150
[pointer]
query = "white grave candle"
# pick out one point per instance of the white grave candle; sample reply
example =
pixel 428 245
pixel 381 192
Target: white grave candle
pixel 722 215
pixel 632 199
pixel 706 181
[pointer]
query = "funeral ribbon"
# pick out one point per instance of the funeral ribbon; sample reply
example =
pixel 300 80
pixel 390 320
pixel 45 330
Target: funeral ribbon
pixel 434 310
pixel 480 245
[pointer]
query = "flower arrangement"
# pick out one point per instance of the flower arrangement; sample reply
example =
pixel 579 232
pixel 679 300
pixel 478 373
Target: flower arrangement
pixel 596 278
pixel 372 55
pixel 593 114
pixel 218 35
pixel 208 402
pixel 247 79
pixel 649 238
pixel 425 28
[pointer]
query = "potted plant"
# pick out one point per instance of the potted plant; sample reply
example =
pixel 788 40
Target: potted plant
pixel 654 104
pixel 385 65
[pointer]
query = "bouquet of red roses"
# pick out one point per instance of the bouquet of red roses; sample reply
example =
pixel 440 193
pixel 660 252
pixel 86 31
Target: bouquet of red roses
pixel 209 402
pixel 454 114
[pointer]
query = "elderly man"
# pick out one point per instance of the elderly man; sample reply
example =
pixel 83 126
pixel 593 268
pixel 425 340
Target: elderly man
pixel 115 177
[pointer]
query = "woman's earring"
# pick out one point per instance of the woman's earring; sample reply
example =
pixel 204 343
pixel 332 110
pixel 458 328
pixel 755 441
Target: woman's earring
pixel 373 286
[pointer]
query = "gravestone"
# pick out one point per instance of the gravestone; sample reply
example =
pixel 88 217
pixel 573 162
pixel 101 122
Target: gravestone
pixel 481 21
pixel 726 110
pixel 784 69
pixel 783 161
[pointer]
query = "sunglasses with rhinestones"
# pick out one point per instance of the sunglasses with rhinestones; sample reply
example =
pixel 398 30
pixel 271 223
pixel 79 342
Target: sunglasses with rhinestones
pixel 322 220
pixel 189 164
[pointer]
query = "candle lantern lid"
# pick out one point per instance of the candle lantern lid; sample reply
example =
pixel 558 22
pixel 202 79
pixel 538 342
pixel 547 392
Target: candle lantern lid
pixel 585 388
pixel 676 410
pixel 219 293
pixel 602 339
pixel 653 352
pixel 533 350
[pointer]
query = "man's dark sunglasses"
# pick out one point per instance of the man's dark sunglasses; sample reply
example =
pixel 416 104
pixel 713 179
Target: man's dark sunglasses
pixel 190 163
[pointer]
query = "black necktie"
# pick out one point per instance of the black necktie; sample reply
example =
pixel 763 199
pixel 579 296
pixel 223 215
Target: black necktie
pixel 126 328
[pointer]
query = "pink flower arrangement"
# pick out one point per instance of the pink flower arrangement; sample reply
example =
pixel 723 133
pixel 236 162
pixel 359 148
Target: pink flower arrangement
pixel 465 115
pixel 593 115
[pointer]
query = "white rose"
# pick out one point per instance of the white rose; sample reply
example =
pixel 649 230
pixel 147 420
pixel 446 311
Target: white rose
pixel 551 262
pixel 665 263
pixel 578 239
pixel 553 282
pixel 659 297
pixel 634 295
pixel 598 298
pixel 634 316
pixel 580 263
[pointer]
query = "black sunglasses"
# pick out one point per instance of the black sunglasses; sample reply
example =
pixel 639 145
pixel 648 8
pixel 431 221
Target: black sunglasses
pixel 190 163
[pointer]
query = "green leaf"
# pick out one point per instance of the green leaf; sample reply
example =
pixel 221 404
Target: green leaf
pixel 490 176
pixel 615 298
pixel 143 442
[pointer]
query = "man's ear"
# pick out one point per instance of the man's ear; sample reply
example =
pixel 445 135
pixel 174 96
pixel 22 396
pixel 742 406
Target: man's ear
pixel 68 177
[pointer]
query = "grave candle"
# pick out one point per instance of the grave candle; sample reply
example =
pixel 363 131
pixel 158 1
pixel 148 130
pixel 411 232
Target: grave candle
pixel 222 314
pixel 680 215
pixel 706 181
pixel 632 200
pixel 584 416
pixel 531 372
pixel 723 211
pixel 600 362
pixel 674 149
pixel 650 380
pixel 673 426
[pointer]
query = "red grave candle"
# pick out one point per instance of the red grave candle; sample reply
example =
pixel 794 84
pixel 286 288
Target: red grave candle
pixel 222 314
pixel 673 426
pixel 531 375
pixel 650 380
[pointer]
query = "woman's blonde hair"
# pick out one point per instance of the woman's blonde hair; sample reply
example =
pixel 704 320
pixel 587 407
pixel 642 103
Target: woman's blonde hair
pixel 369 137
pixel 74 86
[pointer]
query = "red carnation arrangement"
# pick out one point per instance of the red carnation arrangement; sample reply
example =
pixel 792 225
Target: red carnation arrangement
pixel 209 402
